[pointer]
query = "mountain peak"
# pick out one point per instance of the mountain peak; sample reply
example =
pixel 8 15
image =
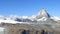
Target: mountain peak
pixel 43 13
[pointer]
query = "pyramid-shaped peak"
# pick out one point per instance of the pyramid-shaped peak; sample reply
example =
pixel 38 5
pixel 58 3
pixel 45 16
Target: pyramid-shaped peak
pixel 43 13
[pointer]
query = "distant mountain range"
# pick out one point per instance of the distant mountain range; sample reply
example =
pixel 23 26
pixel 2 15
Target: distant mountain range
pixel 41 18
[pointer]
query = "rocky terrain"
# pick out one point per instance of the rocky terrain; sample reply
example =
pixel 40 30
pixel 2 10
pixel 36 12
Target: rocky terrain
pixel 30 25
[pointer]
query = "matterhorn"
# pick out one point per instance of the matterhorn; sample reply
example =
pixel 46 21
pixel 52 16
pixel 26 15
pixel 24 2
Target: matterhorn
pixel 43 13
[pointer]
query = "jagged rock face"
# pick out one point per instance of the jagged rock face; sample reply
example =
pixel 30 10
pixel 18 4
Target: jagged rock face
pixel 42 13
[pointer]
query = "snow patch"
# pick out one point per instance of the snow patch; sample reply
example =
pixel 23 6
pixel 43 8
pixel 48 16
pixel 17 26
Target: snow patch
pixel 42 19
pixel 2 29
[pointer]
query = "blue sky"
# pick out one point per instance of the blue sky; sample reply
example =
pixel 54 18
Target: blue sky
pixel 29 7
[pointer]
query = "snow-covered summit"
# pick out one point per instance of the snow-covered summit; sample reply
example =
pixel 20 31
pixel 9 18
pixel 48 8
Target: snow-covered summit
pixel 43 13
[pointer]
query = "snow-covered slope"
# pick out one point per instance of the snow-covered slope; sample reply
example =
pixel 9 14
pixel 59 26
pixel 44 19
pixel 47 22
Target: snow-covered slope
pixel 55 18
